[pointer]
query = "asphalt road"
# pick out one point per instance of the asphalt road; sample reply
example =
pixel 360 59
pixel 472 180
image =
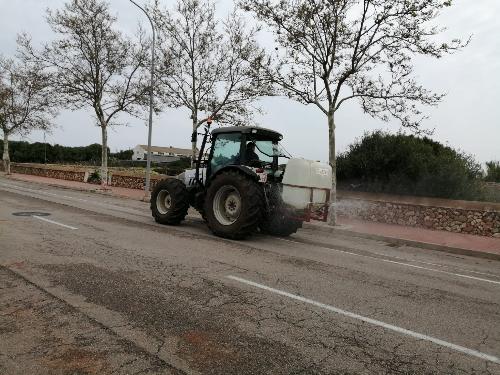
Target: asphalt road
pixel 97 287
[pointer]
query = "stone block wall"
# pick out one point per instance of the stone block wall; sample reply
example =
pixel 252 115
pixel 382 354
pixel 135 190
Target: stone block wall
pixel 81 174
pixel 133 182
pixel 62 173
pixel 453 216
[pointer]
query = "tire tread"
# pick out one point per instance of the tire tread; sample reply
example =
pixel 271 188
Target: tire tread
pixel 252 217
pixel 180 202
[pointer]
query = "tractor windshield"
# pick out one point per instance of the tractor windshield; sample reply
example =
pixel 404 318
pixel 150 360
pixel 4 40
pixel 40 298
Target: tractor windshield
pixel 265 150
pixel 268 150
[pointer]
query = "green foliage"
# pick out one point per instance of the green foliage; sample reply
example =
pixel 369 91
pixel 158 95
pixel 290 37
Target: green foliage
pixel 491 193
pixel 123 155
pixel 406 164
pixel 174 168
pixel 95 177
pixel 492 171
pixel 25 152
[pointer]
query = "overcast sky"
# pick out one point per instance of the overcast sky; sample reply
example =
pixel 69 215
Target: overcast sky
pixel 468 118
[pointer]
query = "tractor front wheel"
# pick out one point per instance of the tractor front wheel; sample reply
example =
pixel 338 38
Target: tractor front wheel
pixel 234 205
pixel 170 202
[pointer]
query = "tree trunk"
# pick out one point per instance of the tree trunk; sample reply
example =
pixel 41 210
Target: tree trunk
pixel 194 141
pixel 104 155
pixel 332 215
pixel 6 157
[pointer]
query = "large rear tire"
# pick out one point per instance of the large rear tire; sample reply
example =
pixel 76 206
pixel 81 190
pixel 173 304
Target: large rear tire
pixel 234 205
pixel 170 202
pixel 281 223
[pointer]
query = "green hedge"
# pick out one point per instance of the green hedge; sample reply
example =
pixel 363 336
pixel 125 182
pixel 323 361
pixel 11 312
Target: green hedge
pixel 411 165
pixel 25 152
pixel 493 171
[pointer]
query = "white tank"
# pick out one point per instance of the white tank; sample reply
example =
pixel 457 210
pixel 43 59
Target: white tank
pixel 302 176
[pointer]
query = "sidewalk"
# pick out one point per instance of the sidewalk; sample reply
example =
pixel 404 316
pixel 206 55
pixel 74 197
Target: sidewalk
pixel 458 243
pixel 81 186
pixel 414 236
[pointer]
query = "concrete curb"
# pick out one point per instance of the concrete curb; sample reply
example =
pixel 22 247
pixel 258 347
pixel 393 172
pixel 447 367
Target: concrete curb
pixel 405 242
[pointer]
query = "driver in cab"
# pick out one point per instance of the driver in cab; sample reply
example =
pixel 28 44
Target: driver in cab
pixel 250 154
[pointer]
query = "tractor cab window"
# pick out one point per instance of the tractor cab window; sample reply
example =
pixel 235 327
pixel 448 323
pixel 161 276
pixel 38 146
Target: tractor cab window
pixel 265 151
pixel 261 151
pixel 226 150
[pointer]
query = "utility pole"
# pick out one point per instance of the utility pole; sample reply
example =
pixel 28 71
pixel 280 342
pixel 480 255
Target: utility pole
pixel 44 148
pixel 147 193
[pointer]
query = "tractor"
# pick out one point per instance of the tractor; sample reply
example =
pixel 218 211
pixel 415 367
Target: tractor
pixel 241 185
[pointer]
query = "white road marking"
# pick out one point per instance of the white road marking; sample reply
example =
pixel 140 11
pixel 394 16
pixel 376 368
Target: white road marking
pixel 54 222
pixel 430 263
pixel 437 264
pixel 416 335
pixel 400 263
pixel 137 212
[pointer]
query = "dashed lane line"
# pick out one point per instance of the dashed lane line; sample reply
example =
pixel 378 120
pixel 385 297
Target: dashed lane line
pixel 136 212
pixel 400 263
pixel 54 222
pixel 403 331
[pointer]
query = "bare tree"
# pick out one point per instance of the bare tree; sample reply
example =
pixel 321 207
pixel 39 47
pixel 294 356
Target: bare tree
pixel 27 102
pixel 332 51
pixel 94 65
pixel 212 69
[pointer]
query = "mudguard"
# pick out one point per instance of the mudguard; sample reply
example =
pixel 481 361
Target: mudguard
pixel 240 168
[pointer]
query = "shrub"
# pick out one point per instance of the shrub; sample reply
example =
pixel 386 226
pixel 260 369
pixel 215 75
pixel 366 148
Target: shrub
pixel 411 165
pixel 492 171
pixel 122 155
pixel 95 177
pixel 176 167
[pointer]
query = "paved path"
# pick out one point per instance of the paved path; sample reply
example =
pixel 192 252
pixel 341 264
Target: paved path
pixel 454 240
pixel 314 303
pixel 45 336
pixel 82 186
pixel 428 236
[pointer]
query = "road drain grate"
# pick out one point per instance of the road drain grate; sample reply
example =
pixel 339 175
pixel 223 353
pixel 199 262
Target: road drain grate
pixel 29 213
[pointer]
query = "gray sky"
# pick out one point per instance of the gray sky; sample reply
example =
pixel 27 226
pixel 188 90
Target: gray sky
pixel 468 118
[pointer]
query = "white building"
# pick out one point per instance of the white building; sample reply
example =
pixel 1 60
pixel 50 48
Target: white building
pixel 160 154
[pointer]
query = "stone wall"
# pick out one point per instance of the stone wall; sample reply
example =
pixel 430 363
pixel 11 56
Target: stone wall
pixel 478 218
pixel 62 173
pixel 133 182
pixel 81 174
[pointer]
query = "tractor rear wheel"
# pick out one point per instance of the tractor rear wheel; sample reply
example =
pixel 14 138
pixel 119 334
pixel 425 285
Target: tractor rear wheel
pixel 169 202
pixel 281 223
pixel 234 205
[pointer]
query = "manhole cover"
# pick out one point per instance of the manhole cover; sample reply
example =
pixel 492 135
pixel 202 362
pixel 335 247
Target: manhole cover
pixel 31 214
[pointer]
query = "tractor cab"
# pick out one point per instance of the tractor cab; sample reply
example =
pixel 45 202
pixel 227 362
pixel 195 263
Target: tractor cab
pixel 246 146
